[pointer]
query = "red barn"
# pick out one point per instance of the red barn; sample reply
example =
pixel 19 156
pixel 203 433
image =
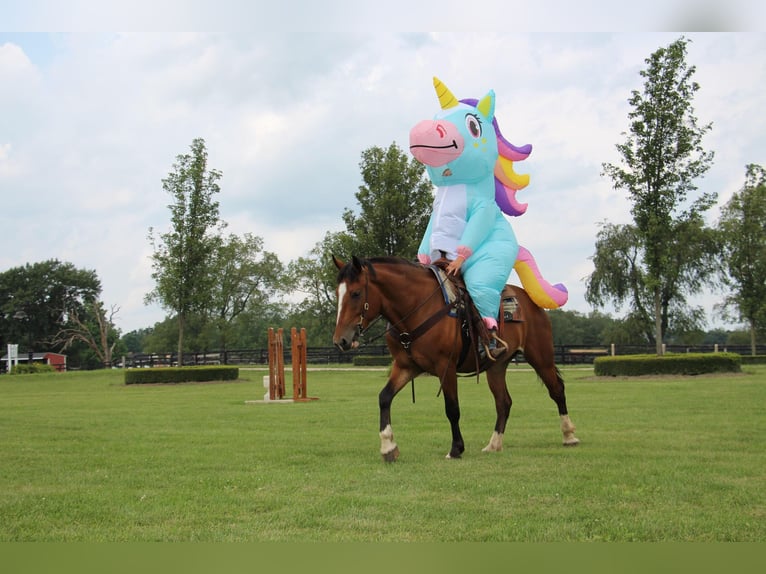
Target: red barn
pixel 55 360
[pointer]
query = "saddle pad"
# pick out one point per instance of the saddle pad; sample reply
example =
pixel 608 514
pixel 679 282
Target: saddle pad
pixel 449 291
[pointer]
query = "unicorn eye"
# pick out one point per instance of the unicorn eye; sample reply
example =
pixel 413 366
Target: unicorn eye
pixel 474 125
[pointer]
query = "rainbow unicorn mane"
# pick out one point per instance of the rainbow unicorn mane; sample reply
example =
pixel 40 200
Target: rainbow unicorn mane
pixel 507 181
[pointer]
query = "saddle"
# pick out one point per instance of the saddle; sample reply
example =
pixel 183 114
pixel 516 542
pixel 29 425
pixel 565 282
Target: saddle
pixel 474 330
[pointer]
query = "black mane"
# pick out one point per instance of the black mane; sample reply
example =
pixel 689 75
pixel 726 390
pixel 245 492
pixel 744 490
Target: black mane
pixel 351 270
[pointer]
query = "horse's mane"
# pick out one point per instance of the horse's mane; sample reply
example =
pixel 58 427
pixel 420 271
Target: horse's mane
pixel 350 271
pixel 507 181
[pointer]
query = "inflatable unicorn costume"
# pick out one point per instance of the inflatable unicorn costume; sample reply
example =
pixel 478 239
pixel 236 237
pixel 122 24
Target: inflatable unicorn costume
pixel 471 164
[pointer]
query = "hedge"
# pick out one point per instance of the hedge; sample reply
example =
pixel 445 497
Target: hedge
pixel 753 359
pixel 669 364
pixel 181 374
pixel 33 369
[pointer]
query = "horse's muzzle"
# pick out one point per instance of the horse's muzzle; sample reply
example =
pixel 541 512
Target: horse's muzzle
pixel 345 343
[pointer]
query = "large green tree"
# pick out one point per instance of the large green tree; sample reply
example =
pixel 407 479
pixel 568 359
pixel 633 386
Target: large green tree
pixel 742 226
pixel 182 255
pixel 36 300
pixel 247 278
pixel 661 158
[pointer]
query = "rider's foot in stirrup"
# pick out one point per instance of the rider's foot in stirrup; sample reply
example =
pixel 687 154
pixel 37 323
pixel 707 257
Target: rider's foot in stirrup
pixel 496 345
pixel 489 348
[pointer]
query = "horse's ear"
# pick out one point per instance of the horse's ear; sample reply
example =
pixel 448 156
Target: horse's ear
pixel 338 263
pixel 356 262
pixel 487 105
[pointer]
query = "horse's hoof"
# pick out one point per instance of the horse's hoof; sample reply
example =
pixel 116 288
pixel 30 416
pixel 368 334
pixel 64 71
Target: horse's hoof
pixel 391 455
pixel 574 441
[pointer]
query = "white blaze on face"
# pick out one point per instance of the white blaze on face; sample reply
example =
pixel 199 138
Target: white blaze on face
pixel 341 296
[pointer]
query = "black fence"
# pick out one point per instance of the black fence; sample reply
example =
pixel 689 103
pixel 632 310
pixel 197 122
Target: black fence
pixel 565 355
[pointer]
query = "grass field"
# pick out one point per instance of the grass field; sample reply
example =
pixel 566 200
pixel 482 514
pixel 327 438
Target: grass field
pixel 86 458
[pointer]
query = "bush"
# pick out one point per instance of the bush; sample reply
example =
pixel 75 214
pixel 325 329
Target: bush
pixel 26 369
pixel 670 364
pixel 372 361
pixel 181 374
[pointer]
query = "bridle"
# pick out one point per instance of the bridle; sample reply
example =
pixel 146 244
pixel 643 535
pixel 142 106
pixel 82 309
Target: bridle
pixel 360 328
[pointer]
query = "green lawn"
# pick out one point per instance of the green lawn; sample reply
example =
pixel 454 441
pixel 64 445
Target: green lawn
pixel 87 458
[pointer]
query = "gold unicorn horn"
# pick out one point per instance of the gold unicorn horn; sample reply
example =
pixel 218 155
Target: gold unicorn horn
pixel 446 98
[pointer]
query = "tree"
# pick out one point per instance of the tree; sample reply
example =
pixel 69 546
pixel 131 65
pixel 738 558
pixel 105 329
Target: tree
pixel 395 204
pixel 619 276
pixel 94 328
pixel 133 341
pixel 742 226
pixel 661 157
pixel 246 279
pixel 36 298
pixel 181 256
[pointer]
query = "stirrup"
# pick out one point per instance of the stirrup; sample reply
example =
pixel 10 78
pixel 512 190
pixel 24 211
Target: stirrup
pixel 492 352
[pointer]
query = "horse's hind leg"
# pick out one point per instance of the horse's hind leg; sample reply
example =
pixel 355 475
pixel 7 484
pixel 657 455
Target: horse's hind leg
pixel 546 369
pixel 503 402
pixel 567 426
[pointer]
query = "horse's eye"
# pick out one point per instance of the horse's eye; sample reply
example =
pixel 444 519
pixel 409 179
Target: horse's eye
pixel 356 294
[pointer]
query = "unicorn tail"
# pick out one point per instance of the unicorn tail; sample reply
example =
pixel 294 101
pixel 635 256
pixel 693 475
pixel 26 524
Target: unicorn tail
pixel 541 292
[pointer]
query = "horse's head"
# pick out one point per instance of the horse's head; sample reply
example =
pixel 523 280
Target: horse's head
pixel 353 303
pixel 463 144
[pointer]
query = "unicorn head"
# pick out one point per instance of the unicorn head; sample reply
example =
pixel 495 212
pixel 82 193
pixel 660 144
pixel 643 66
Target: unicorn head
pixel 458 146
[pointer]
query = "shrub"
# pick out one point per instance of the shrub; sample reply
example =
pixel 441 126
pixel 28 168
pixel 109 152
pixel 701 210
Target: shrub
pixel 181 374
pixel 670 364
pixel 753 359
pixel 26 369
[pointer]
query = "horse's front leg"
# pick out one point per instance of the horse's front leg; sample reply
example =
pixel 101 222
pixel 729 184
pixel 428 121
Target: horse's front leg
pixel 452 410
pixel 399 378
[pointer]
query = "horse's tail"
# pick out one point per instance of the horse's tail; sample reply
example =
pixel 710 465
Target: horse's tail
pixel 540 291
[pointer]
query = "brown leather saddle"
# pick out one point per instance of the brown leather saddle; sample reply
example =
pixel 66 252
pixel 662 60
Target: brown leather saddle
pixel 474 330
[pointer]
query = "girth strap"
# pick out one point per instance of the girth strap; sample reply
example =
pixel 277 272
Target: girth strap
pixel 407 338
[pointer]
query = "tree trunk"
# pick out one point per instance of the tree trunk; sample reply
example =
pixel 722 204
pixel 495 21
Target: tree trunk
pixel 181 322
pixel 658 320
pixel 752 337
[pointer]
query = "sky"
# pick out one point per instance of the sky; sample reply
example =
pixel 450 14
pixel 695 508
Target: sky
pixel 91 121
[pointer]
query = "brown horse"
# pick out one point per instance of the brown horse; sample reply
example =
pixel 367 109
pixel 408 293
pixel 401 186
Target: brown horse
pixel 423 338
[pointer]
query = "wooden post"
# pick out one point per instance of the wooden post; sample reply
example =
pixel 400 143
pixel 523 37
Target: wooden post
pixel 298 341
pixel 276 365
